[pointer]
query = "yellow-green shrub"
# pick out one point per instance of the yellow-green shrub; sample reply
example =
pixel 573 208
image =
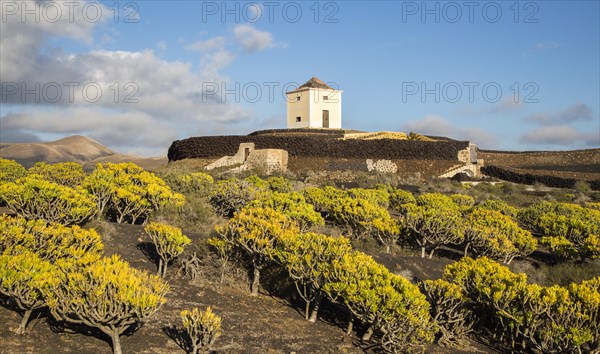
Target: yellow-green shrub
pixel 35 198
pixel 56 243
pixel 450 310
pixel 232 195
pixel 308 258
pixel 382 300
pixel 202 327
pixel 355 216
pixel 386 230
pixel 358 212
pixel 399 197
pixel 583 325
pixel 68 174
pixel 279 184
pixel 127 192
pixel 100 184
pixel 528 316
pixel 24 277
pixel 293 205
pixel 255 232
pixel 568 230
pixel 493 234
pixel 593 205
pixel 463 201
pixel 495 292
pixel 379 197
pixel 169 241
pixel 198 184
pixel 434 220
pixel 500 206
pixel 223 250
pixel 323 198
pixel 108 295
pixel 10 171
pixel 257 182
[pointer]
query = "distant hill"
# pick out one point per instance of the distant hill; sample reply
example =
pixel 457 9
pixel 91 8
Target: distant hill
pixel 577 164
pixel 76 148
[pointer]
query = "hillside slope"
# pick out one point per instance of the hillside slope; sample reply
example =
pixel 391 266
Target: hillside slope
pixel 577 164
pixel 76 148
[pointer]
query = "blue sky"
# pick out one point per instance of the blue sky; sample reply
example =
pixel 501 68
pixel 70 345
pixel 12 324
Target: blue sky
pixel 544 57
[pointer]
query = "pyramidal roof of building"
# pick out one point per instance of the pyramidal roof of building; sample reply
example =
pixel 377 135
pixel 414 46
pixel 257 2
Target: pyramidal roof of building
pixel 315 82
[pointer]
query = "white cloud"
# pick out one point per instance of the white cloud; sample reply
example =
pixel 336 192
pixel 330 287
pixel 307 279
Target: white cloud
pixel 169 94
pixel 10 136
pixel 21 41
pixel 540 47
pixel 438 126
pixel 211 44
pixel 560 135
pixel 430 125
pixel 127 130
pixel 251 39
pixel 576 112
pixel 162 45
pixel 214 55
pixel 555 128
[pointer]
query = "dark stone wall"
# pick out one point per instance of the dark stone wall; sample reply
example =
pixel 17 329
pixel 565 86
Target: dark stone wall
pixel 346 165
pixel 318 146
pixel 527 178
pixel 424 168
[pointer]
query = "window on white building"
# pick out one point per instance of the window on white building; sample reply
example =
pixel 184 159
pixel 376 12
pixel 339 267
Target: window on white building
pixel 298 119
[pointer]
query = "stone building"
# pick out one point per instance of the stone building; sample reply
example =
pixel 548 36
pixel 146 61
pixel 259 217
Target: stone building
pixel 314 105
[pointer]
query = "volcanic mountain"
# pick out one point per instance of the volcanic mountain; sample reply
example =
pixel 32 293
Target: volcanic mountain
pixel 76 148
